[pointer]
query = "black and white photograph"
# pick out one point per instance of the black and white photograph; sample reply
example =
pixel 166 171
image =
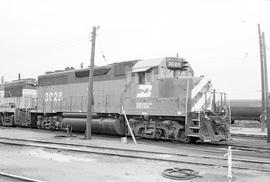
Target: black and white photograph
pixel 134 90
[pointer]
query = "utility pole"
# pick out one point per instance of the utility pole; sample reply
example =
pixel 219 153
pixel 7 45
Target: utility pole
pixel 90 88
pixel 263 114
pixel 266 89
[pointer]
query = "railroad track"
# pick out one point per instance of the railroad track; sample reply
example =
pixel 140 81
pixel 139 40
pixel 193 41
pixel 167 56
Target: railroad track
pixel 205 145
pixel 205 159
pixel 7 177
pixel 217 148
pixel 257 137
pixel 246 148
pixel 177 144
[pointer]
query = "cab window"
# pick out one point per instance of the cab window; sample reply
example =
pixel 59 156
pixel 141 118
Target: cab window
pixel 141 77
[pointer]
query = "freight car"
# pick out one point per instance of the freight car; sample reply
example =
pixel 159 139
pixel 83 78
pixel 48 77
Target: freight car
pixel 245 109
pixel 161 97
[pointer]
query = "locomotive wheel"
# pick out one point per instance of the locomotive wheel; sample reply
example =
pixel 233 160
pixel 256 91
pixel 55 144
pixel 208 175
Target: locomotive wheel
pixel 182 136
pixel 192 139
pixel 46 125
pixel 159 133
pixel 185 139
pixel 188 139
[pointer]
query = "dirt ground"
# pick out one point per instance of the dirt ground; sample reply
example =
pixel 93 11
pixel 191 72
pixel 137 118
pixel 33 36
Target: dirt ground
pixel 51 165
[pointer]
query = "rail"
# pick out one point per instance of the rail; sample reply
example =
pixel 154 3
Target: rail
pixel 17 178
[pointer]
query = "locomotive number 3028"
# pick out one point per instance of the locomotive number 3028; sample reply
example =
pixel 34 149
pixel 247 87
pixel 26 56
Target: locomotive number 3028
pixel 53 96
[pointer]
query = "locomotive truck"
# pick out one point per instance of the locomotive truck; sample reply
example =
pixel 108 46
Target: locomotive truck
pixel 161 97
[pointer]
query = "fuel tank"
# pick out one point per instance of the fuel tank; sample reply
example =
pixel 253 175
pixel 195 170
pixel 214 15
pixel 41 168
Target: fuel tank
pixel 78 115
pixel 101 126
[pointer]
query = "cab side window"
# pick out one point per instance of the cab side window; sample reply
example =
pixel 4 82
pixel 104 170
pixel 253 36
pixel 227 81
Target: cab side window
pixel 144 77
pixel 141 77
pixel 148 77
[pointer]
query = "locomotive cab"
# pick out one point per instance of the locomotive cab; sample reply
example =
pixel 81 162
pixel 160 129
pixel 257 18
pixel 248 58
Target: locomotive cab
pixel 174 103
pixel 147 71
pixel 158 87
pixel 17 98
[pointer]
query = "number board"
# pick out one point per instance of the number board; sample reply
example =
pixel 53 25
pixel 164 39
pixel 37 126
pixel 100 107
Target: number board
pixel 174 63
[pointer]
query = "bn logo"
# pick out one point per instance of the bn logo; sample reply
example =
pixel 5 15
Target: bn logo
pixel 144 91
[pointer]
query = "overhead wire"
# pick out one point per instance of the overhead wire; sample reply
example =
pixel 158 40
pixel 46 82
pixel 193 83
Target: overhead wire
pixel 232 58
pixel 249 92
pixel 230 53
pixel 102 52
pixel 67 43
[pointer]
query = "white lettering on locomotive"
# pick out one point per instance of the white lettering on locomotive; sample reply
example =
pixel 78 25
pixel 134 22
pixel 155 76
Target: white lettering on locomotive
pixel 143 105
pixel 53 96
pixel 144 91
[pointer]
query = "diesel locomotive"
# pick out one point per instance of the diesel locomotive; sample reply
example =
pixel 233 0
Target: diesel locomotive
pixel 161 98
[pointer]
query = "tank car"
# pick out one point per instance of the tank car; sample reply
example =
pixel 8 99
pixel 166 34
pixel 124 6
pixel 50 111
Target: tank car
pixel 161 97
pixel 246 109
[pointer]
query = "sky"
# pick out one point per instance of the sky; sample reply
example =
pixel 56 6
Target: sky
pixel 219 38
